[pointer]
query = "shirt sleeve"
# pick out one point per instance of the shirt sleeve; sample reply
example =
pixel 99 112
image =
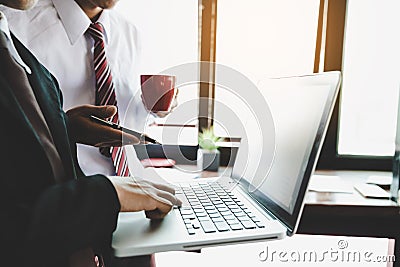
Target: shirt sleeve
pixel 71 216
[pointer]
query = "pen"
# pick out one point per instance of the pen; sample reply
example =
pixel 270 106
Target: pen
pixel 141 136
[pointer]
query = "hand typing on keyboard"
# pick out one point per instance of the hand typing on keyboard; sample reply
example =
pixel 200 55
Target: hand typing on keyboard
pixel 155 199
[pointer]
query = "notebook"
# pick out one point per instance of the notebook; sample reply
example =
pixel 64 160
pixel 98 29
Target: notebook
pixel 264 196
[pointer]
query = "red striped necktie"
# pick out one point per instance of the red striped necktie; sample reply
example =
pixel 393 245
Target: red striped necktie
pixel 105 92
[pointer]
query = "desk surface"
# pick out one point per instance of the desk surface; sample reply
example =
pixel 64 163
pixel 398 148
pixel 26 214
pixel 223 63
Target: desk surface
pixel 354 199
pixel 344 214
pixel 291 251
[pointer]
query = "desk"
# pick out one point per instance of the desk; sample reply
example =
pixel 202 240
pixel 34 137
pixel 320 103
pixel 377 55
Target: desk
pixel 346 214
pixel 351 214
pixel 340 213
pixel 299 250
pixel 343 214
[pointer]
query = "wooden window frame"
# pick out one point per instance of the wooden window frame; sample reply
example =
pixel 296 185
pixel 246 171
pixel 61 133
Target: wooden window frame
pixel 328 57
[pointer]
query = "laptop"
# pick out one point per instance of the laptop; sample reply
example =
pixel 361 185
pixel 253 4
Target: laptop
pixel 263 197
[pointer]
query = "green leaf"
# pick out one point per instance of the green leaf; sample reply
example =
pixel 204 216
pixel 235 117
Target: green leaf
pixel 208 140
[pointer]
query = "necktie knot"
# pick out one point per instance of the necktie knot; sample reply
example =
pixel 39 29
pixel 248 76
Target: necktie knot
pixel 96 30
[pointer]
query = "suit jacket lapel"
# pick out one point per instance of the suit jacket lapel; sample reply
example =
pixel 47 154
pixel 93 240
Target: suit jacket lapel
pixel 49 98
pixel 9 101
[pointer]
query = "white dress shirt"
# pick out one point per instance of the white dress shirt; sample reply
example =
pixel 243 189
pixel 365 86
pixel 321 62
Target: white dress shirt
pixel 56 36
pixel 4 28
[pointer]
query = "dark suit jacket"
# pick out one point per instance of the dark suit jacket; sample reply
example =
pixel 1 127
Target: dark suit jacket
pixel 41 221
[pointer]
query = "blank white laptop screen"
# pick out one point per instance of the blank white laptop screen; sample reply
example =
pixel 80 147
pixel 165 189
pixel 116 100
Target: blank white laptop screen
pixel 296 121
pixel 299 109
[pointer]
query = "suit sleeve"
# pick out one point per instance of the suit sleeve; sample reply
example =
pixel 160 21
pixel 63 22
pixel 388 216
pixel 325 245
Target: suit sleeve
pixel 71 216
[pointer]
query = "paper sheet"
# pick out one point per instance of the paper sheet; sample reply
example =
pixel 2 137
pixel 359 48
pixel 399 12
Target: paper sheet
pixel 380 180
pixel 332 184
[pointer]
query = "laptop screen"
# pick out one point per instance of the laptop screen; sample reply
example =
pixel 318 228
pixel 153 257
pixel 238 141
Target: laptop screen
pixel 300 108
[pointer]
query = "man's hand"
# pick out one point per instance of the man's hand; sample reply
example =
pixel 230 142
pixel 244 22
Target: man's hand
pixel 84 130
pixel 155 199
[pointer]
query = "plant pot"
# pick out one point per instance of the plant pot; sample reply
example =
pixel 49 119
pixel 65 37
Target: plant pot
pixel 208 160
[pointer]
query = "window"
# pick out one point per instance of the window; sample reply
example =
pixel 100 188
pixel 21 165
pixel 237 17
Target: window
pixel 269 38
pixel 371 78
pixel 168 32
pixel 342 27
pixel 260 39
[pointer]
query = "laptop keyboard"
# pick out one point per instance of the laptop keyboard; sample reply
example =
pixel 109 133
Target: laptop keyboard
pixel 212 208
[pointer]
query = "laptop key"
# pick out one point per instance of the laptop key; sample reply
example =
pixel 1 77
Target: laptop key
pixel 196 225
pixel 190 217
pixel 198 209
pixel 186 211
pixel 236 210
pixel 194 203
pixel 214 215
pixel 240 214
pixel 260 225
pixel 236 226
pixel 229 217
pixel 239 203
pixel 212 211
pixel 191 231
pixel 183 199
pixel 226 213
pixel 249 224
pixel 244 218
pixel 232 221
pixel 223 209
pixel 222 226
pixel 208 226
pixel 219 219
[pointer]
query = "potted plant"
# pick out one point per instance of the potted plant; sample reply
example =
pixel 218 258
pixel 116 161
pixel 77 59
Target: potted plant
pixel 208 154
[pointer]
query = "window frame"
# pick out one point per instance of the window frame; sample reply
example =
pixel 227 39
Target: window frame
pixel 329 54
pixel 328 57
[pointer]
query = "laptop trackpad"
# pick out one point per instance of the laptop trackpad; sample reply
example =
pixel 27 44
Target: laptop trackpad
pixel 135 233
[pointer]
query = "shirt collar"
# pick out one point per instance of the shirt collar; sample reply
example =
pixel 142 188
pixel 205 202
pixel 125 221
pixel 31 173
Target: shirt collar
pixel 4 28
pixel 76 22
pixel 4 25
